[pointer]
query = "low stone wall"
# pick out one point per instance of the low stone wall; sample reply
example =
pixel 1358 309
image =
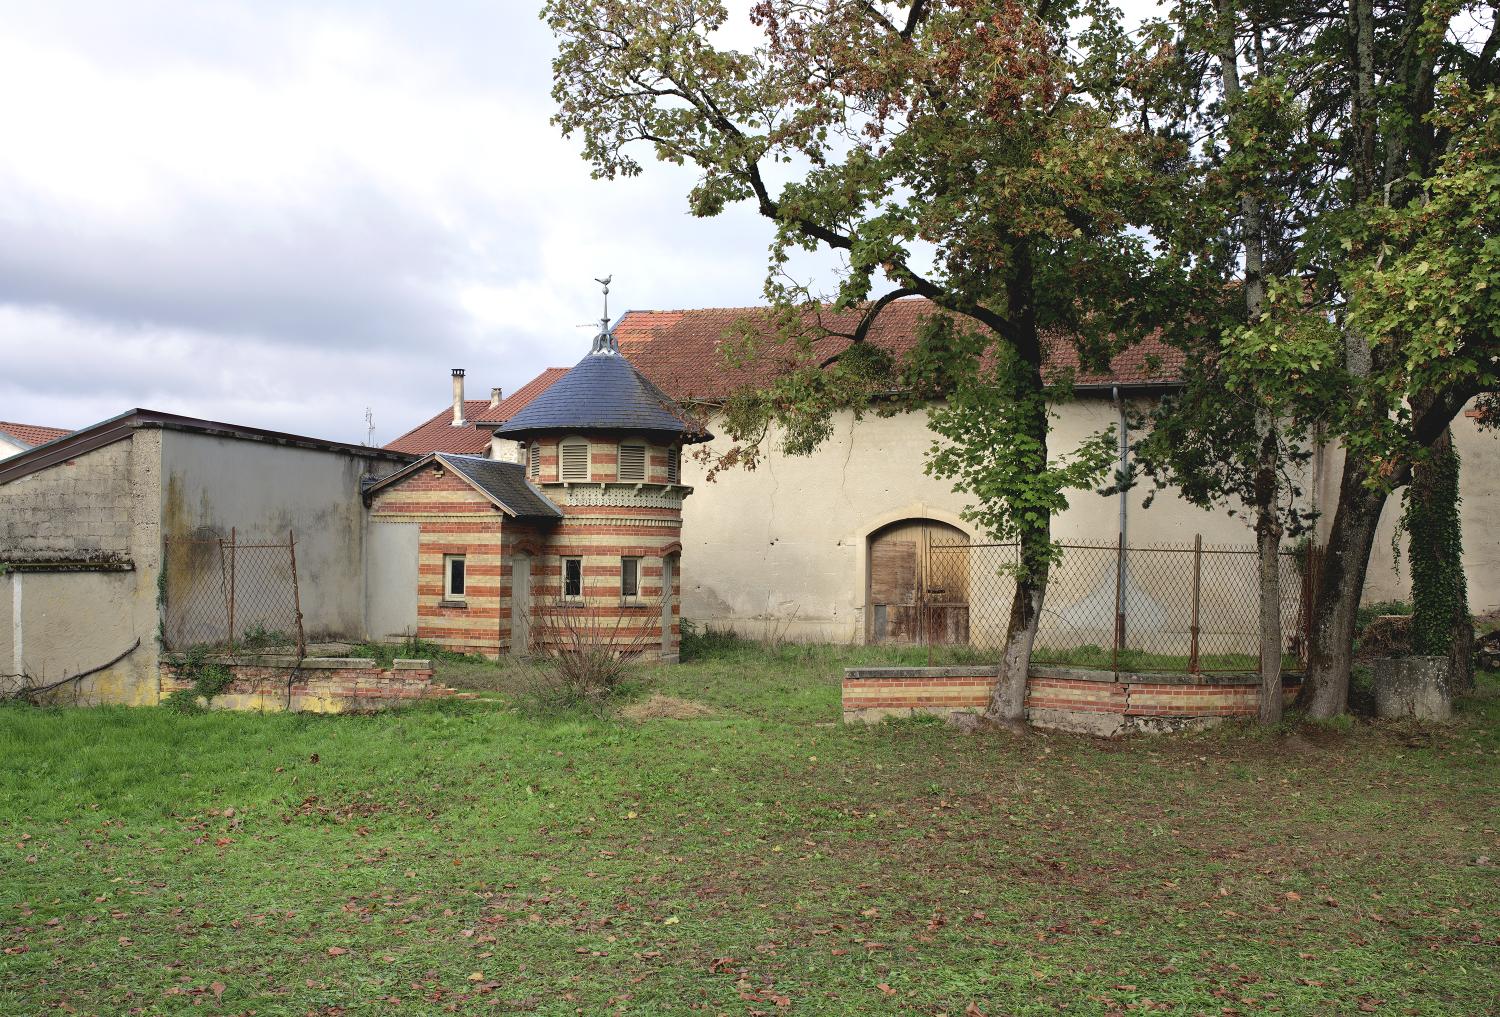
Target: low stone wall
pixel 315 684
pixel 1064 699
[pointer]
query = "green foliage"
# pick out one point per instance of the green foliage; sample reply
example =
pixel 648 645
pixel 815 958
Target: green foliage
pixel 1422 279
pixel 1376 609
pixel 976 153
pixel 209 678
pixel 992 447
pixel 1439 589
pixel 409 648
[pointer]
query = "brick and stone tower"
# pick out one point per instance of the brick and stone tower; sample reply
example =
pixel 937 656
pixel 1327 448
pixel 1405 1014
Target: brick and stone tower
pixel 605 446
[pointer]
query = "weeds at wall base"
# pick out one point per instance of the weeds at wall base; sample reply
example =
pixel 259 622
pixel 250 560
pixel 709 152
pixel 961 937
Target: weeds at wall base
pixel 209 680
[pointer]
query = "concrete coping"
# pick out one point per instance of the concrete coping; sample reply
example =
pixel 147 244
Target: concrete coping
pixel 252 660
pixel 411 664
pixel 340 663
pixel 1068 673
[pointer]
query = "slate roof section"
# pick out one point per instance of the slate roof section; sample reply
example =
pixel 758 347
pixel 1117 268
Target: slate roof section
pixel 32 434
pixel 681 351
pixel 506 485
pixel 439 435
pixel 604 392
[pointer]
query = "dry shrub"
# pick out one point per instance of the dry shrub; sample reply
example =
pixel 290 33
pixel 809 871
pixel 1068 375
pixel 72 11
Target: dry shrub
pixel 587 653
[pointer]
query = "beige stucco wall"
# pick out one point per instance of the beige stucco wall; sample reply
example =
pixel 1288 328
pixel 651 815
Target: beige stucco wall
pixel 781 550
pixel 265 490
pixel 1389 576
pixel 104 503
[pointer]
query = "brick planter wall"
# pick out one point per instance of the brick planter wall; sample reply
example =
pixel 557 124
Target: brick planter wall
pixel 1065 699
pixel 316 684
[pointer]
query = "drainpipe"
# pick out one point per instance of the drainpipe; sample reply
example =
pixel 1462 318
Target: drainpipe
pixel 458 397
pixel 1124 465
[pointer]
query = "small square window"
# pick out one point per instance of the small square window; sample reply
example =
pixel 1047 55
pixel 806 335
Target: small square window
pixel 632 464
pixel 572 577
pixel 454 575
pixel 630 577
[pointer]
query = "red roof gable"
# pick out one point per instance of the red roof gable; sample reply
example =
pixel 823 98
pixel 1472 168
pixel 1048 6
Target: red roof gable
pixel 439 434
pixel 32 434
pixel 680 350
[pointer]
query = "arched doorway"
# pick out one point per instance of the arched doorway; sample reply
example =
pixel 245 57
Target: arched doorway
pixel 917 589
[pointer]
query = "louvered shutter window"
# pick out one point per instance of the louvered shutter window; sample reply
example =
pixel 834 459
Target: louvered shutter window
pixel 575 460
pixel 674 465
pixel 535 461
pixel 633 463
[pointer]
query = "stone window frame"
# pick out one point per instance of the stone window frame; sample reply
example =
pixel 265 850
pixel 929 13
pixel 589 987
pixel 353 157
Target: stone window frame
pixel 562 460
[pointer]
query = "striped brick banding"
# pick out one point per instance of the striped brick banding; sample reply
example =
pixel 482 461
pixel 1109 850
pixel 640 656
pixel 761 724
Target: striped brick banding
pixel 1135 701
pixel 604 522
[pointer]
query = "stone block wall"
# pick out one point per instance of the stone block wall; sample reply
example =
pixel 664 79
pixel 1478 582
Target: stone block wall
pixel 1067 699
pixel 316 684
pixel 79 509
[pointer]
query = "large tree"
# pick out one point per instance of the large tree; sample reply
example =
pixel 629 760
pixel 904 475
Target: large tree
pixel 979 153
pixel 1370 257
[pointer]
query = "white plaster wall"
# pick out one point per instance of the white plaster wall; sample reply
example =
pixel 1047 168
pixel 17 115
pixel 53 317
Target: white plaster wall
pixel 781 550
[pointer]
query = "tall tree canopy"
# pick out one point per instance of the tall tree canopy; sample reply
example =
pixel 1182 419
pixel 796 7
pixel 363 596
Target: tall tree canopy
pixel 980 153
pixel 1367 122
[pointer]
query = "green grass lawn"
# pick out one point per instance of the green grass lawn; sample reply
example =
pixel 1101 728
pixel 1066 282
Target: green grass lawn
pixel 476 857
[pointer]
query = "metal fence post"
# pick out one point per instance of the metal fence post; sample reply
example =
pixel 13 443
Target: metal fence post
pixel 1197 600
pixel 291 546
pixel 233 540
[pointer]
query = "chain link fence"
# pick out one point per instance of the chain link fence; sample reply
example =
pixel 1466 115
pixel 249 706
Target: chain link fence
pixel 224 594
pixel 1170 608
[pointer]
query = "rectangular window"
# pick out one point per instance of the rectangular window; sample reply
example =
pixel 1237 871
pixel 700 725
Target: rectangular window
pixel 630 577
pixel 632 464
pixel 674 465
pixel 453 577
pixel 534 461
pixel 572 577
pixel 575 460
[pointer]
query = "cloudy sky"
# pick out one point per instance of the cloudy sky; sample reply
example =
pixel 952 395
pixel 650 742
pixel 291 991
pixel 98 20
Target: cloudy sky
pixel 281 213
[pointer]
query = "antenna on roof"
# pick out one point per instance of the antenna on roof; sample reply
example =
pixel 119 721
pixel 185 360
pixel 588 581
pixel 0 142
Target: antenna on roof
pixel 605 341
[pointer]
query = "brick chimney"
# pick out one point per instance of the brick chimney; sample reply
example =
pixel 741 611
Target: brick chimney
pixel 458 397
pixel 494 397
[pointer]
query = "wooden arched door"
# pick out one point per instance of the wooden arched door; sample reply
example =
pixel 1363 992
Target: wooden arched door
pixel 918 583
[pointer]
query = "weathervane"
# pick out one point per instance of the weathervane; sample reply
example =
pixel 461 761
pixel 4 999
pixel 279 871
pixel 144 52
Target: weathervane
pixel 605 342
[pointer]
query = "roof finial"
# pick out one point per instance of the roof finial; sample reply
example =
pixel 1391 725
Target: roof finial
pixel 604 342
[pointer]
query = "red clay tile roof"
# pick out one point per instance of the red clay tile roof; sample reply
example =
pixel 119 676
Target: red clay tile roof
pixel 680 350
pixel 32 434
pixel 439 434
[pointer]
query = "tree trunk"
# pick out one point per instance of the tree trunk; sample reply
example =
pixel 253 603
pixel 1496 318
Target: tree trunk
pixel 1440 624
pixel 1008 704
pixel 1335 610
pixel 1267 520
pixel 1268 544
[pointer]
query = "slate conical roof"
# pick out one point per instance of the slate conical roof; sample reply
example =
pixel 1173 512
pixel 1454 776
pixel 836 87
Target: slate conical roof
pixel 604 392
